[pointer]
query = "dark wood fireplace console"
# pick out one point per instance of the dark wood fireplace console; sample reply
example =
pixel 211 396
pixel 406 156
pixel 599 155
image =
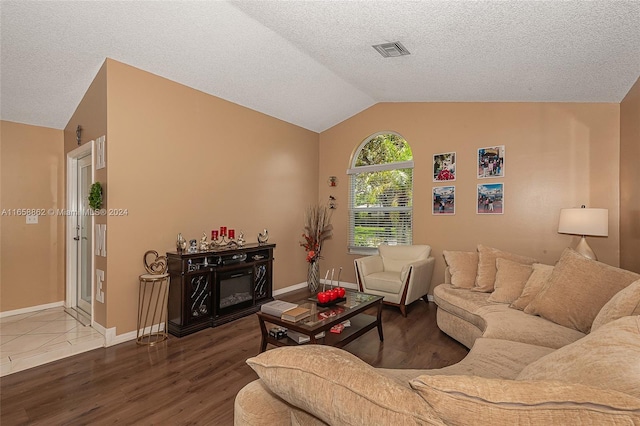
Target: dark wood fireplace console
pixel 214 287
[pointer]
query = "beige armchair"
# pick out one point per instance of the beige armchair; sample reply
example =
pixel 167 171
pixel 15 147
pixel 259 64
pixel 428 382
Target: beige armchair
pixel 402 274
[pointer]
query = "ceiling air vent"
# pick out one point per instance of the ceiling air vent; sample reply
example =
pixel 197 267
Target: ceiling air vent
pixel 389 50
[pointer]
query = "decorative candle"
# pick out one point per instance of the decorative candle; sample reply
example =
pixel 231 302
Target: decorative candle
pixel 232 234
pixel 214 235
pixel 223 231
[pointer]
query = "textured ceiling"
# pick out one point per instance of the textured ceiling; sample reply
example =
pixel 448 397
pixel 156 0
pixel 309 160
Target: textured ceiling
pixel 311 63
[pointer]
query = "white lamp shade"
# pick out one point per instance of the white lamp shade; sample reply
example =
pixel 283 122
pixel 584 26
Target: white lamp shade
pixel 594 222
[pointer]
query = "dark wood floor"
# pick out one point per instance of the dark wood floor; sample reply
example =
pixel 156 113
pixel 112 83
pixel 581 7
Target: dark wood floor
pixel 193 380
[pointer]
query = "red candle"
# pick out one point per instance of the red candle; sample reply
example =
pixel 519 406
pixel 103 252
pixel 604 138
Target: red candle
pixel 214 235
pixel 232 234
pixel 223 231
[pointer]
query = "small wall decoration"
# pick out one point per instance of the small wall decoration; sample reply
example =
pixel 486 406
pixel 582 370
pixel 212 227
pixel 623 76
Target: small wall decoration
pixel 443 200
pixel 332 202
pixel 95 196
pixel 444 167
pixel 491 162
pixel 101 239
pixel 332 181
pixel 101 161
pixel 490 198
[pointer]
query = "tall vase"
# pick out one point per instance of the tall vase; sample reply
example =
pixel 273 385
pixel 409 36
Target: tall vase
pixel 313 276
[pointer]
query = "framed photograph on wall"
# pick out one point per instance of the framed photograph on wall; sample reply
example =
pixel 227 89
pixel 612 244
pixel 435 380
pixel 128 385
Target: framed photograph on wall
pixel 444 167
pixel 444 200
pixel 490 198
pixel 491 162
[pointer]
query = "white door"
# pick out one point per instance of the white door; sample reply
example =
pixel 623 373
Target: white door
pixel 83 238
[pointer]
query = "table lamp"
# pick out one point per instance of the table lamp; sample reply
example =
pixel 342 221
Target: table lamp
pixel 583 221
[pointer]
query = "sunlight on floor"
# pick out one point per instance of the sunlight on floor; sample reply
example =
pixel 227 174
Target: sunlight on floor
pixel 36 338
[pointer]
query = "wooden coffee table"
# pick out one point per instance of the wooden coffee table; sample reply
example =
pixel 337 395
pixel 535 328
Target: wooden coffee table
pixel 323 318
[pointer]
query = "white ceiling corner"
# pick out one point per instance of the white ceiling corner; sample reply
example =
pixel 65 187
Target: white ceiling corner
pixel 311 63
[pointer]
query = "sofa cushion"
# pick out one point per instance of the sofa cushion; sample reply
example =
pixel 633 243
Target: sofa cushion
pixel 625 303
pixel 608 358
pixel 502 322
pixel 493 359
pixel 468 400
pixel 539 277
pixel 388 282
pixel 484 360
pixel 511 278
pixel 487 266
pixel 577 290
pixel 463 267
pixel 339 388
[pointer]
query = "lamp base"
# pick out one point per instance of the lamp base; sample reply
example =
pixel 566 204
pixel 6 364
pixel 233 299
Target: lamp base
pixel 584 249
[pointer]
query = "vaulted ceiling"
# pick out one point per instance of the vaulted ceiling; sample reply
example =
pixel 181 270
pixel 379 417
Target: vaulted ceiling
pixel 311 63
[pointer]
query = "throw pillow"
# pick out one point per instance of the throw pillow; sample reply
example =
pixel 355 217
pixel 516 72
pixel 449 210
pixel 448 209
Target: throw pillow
pixel 472 400
pixel 608 358
pixel 487 266
pixel 577 290
pixel 511 278
pixel 463 267
pixel 539 277
pixel 626 302
pixel 339 388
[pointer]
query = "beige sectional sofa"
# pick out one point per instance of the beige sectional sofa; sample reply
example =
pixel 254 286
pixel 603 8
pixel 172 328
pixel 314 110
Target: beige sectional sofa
pixel 542 352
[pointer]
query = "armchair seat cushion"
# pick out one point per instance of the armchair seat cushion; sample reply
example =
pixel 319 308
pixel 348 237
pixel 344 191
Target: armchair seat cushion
pixel 388 282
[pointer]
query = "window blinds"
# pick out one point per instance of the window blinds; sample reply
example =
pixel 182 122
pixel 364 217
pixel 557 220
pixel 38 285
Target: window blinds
pixel 380 206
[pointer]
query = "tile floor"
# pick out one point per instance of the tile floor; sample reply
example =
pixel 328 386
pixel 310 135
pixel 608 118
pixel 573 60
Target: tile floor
pixel 36 338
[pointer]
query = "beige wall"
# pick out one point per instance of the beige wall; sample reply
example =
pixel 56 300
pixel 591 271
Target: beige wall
pixel 31 177
pixel 183 161
pixel 630 179
pixel 91 115
pixel 557 155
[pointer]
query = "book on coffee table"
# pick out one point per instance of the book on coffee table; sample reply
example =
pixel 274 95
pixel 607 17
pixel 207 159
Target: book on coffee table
pixel 295 314
pixel 277 307
pixel 303 338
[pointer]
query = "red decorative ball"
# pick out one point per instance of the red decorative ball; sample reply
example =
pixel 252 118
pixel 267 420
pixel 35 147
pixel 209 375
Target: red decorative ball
pixel 323 297
pixel 333 294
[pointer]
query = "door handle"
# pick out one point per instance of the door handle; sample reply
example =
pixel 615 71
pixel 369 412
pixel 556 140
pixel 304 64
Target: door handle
pixel 76 238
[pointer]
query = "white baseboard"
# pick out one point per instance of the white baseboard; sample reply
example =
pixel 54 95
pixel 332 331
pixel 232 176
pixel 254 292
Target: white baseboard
pixel 294 287
pixel 111 338
pixel 430 297
pixel 31 309
pixel 99 328
pixel 300 286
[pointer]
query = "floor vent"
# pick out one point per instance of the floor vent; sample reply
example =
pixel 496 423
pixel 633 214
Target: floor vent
pixel 390 50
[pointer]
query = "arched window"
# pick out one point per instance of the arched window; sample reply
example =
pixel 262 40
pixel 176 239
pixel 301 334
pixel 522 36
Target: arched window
pixel 381 193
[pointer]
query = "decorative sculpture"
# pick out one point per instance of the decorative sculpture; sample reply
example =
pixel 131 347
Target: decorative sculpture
pixel 263 236
pixel 204 245
pixel 181 243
